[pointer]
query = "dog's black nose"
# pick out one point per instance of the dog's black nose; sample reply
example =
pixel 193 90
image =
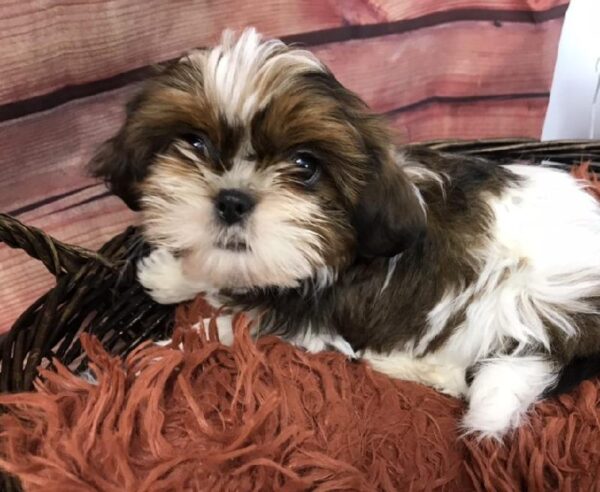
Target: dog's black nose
pixel 233 205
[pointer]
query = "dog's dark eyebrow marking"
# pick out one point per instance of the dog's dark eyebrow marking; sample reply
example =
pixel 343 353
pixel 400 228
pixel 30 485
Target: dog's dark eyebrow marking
pixel 68 93
pixel 230 139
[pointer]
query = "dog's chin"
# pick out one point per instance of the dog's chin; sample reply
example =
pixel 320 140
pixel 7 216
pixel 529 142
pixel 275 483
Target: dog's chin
pixel 235 266
pixel 235 246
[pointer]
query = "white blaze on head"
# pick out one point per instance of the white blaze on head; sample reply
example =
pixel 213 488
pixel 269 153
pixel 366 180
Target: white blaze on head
pixel 241 75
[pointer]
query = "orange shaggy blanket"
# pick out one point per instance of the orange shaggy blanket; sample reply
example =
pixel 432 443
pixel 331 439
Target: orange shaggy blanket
pixel 267 416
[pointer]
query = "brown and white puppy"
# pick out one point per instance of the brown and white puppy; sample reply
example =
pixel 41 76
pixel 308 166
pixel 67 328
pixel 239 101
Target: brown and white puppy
pixel 265 183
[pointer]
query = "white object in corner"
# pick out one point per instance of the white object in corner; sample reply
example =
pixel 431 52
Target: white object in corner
pixel 574 106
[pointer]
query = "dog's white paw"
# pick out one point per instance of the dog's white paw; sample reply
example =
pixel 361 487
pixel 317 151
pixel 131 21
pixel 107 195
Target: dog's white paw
pixel 503 390
pixel 428 370
pixel 161 275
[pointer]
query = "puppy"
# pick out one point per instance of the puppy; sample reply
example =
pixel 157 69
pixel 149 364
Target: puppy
pixel 267 185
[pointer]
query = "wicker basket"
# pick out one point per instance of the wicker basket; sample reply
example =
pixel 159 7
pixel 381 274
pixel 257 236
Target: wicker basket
pixel 96 292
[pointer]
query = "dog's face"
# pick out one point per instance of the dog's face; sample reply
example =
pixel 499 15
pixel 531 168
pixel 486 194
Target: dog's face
pixel 258 168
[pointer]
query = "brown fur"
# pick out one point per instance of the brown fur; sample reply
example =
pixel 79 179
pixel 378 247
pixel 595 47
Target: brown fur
pixel 355 305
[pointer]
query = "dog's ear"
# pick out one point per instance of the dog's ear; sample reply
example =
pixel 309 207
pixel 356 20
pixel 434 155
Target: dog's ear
pixel 389 217
pixel 123 160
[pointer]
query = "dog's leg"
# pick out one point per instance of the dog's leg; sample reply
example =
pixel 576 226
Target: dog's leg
pixel 161 273
pixel 430 371
pixel 502 391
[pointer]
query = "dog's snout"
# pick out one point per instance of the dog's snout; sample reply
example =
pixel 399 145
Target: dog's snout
pixel 233 205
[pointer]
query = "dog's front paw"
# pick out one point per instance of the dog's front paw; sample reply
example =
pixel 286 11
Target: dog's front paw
pixel 161 275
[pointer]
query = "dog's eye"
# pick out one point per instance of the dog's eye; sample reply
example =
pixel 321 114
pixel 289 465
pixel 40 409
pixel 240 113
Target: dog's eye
pixel 307 166
pixel 197 141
